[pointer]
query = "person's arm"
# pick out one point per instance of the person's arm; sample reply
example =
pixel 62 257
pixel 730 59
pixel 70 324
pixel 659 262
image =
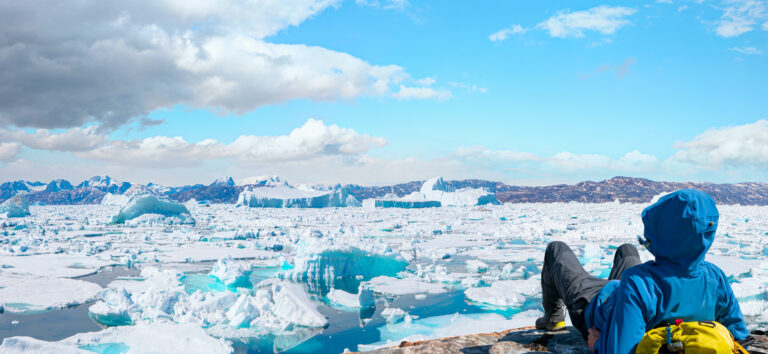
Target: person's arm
pixel 727 310
pixel 626 325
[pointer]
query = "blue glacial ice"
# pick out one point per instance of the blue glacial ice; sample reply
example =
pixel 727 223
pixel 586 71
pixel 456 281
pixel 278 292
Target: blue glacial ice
pixel 285 196
pixel 143 204
pixel 15 207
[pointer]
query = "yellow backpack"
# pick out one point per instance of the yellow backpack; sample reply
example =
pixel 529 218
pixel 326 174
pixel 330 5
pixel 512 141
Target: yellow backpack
pixel 689 337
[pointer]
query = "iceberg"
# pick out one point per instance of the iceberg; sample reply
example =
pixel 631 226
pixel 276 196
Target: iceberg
pixel 394 315
pixel 115 199
pixel 114 309
pixel 15 207
pixel 436 192
pixel 232 273
pixel 342 268
pixel 284 196
pixel 142 204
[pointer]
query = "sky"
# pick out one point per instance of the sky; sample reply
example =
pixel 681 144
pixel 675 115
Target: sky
pixel 384 91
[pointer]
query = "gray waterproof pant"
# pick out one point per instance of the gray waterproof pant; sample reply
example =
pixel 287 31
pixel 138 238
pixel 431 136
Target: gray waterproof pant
pixel 565 282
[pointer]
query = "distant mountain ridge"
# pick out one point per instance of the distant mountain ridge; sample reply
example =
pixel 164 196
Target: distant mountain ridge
pixel 225 190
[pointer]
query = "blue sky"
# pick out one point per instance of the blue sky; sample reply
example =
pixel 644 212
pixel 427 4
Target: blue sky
pixel 391 91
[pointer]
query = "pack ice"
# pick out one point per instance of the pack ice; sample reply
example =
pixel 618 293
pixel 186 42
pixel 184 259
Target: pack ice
pixel 436 192
pixel 285 196
pixel 313 280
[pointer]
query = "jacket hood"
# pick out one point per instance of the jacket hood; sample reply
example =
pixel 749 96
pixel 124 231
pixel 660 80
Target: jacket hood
pixel 680 228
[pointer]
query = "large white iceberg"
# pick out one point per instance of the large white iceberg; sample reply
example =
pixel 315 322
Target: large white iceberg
pixel 15 207
pixel 436 192
pixel 115 199
pixel 143 204
pixel 284 196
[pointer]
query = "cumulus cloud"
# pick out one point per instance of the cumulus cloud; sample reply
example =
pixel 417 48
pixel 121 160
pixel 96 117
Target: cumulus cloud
pixel 312 140
pixel 8 151
pixel 737 146
pixel 506 32
pixel 67 63
pixel 742 16
pixel 75 139
pixel 602 19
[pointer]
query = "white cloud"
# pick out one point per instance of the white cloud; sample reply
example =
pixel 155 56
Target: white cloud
pixel 747 50
pixel 602 19
pixel 737 146
pixel 112 62
pixel 384 4
pixel 312 140
pixel 481 153
pixel 633 161
pixel 742 16
pixel 506 32
pixel 75 139
pixel 8 151
pixel 408 93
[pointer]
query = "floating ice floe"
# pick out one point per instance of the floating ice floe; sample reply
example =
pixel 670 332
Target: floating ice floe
pixel 32 294
pixel 435 192
pixel 284 196
pixel 508 293
pixel 15 207
pixel 145 204
pixel 149 338
pixel 448 326
pixel 394 286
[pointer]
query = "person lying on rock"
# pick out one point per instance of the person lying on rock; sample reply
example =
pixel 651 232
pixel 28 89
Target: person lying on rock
pixel 615 314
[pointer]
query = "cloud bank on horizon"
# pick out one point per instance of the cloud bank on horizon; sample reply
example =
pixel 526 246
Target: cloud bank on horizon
pixel 384 91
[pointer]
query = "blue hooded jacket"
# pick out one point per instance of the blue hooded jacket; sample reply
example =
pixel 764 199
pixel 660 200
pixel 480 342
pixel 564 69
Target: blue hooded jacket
pixel 679 284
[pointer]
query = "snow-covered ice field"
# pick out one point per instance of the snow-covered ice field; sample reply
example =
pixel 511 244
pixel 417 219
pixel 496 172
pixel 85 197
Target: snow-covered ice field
pixel 312 280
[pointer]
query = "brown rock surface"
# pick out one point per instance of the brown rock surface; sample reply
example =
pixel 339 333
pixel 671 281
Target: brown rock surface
pixel 521 340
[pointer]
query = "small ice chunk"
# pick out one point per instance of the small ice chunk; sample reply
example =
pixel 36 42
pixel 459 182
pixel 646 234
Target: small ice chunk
pixel 393 315
pixel 114 309
pixel 343 298
pixel 476 266
pixel 231 272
